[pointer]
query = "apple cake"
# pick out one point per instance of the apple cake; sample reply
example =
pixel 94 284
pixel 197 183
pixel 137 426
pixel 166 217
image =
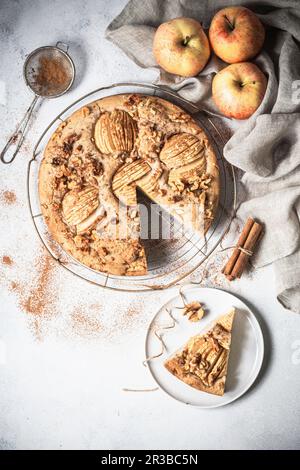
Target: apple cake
pixel 99 157
pixel 202 363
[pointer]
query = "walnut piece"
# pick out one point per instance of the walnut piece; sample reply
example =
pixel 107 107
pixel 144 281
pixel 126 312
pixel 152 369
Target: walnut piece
pixel 194 311
pixel 69 142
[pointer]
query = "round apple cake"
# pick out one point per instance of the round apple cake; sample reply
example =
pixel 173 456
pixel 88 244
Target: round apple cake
pixel 98 158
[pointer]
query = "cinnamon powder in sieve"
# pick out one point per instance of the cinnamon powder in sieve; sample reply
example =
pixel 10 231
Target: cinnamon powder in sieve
pixel 51 76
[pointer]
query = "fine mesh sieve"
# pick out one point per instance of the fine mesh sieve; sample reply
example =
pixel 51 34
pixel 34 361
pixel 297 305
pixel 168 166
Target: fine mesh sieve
pixel 49 72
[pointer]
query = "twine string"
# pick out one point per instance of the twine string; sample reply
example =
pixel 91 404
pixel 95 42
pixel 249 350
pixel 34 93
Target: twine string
pixel 233 247
pixel 247 252
pixel 140 389
pixel 158 333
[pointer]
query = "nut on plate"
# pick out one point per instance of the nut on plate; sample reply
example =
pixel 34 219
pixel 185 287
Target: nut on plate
pixel 194 311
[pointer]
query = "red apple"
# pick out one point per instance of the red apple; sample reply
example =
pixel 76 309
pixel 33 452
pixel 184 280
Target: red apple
pixel 236 34
pixel 181 47
pixel 239 89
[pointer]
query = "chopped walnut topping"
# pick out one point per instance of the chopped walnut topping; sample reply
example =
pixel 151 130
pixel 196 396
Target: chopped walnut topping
pixel 150 140
pixel 103 252
pixel 162 191
pixel 177 198
pixel 56 161
pixel 177 185
pixel 209 214
pixel 82 242
pixel 132 100
pixel 205 182
pixel 68 144
pixel 73 184
pixel 133 214
pixel 95 166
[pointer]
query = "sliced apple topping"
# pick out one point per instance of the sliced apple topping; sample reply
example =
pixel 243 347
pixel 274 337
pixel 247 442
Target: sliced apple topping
pixel 125 179
pixel 180 150
pixel 115 132
pixel 81 208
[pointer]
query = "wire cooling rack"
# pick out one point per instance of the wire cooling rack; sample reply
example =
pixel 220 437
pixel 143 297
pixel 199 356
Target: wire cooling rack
pixel 169 260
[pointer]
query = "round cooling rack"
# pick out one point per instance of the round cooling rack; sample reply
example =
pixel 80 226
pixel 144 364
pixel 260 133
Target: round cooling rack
pixel 169 260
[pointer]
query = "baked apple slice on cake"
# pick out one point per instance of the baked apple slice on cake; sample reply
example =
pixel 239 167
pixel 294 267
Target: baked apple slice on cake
pixel 202 363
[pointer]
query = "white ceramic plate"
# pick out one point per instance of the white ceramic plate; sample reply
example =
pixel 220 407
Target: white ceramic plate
pixel 247 348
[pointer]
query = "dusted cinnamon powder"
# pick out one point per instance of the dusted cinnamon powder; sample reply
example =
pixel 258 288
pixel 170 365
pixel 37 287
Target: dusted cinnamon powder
pixel 37 292
pixel 9 197
pixel 132 316
pixel 36 287
pixel 133 310
pixel 14 286
pixel 83 324
pixel 37 300
pixel 33 287
pixel 7 260
pixel 51 77
pixel 90 321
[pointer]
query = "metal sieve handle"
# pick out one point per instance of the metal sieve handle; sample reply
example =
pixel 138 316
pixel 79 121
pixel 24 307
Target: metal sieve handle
pixel 62 46
pixel 16 140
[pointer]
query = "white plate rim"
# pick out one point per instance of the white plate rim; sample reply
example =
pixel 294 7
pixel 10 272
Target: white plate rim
pixel 259 357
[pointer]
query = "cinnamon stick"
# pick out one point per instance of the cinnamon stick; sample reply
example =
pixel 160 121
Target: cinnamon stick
pixel 249 245
pixel 236 252
pixel 240 256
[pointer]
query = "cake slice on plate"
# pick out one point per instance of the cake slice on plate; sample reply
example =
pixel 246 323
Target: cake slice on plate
pixel 202 363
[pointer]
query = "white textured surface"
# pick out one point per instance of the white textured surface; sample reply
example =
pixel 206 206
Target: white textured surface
pixel 65 391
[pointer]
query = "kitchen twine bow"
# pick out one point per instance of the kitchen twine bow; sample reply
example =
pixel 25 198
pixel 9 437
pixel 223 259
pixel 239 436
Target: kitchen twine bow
pixel 158 331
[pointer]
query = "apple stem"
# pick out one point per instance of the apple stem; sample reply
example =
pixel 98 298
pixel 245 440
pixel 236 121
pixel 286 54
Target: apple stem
pixel 231 25
pixel 186 40
pixel 242 84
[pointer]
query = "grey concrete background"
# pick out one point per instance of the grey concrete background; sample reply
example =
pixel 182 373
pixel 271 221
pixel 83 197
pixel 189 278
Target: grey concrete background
pixel 64 392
